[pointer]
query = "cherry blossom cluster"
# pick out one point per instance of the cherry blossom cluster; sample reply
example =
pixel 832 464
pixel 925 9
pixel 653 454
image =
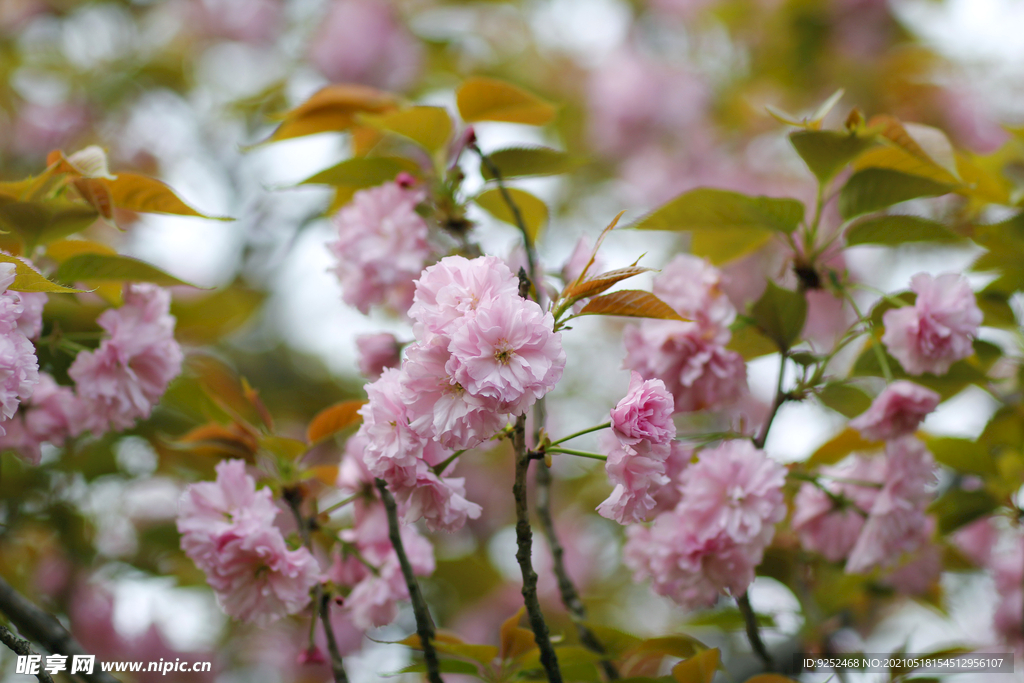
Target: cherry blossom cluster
pixel 227 529
pixel 373 594
pixel 382 245
pixel 690 357
pixel 20 321
pixel 482 353
pixel 729 503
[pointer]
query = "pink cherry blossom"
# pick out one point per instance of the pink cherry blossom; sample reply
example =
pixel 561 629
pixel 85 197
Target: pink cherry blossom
pixel 920 572
pixel 976 540
pixel 392 449
pixel 51 415
pixel 450 291
pixel 644 414
pixel 381 247
pixel 896 522
pixel 636 475
pixel 734 489
pixel 441 408
pixel 938 329
pixel 693 287
pixel 700 373
pixel 362 41
pixel 896 412
pixel 440 501
pixel 508 352
pixel 376 352
pixel 125 377
pixel 668 496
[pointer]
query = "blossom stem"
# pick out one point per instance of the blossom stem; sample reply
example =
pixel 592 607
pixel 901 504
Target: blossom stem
pixel 20 646
pixel 780 398
pixel 43 629
pixel 753 634
pixel 339 505
pixel 598 428
pixel 424 622
pixel 524 541
pixel 293 497
pixel 580 454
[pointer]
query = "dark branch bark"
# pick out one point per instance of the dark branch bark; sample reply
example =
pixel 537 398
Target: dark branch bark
pixel 41 628
pixel 20 646
pixel 753 634
pixel 424 623
pixel 524 540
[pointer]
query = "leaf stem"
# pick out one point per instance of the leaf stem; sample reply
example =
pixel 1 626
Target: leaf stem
pixel 753 634
pixel 780 398
pixel 524 541
pixel 339 505
pixel 597 428
pixel 424 622
pixel 579 454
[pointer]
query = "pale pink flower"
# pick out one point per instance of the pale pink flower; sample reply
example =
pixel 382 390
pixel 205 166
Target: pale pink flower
pixel 381 247
pixel 701 374
pixel 644 414
pixel 440 501
pixel 693 287
pixel 636 475
pixel 976 540
pixel 938 329
pixel 922 570
pixel 19 372
pixel 376 352
pixel 392 449
pixel 734 489
pixel 22 311
pixel 51 415
pixel 508 352
pixel 125 377
pixel 668 496
pixel 362 41
pixel 256 578
pixel 451 290
pixel 896 522
pixel 896 412
pixel 830 524
pixel 438 406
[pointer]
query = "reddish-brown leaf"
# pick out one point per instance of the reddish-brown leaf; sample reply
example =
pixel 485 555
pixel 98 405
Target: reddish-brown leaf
pixel 599 283
pixel 597 245
pixel 334 419
pixel 633 303
pixel 333 108
pixel 217 440
pixel 514 639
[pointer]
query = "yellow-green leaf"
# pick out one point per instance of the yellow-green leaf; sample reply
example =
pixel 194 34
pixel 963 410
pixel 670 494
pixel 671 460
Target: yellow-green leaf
pixel 700 668
pixel 487 99
pixel 518 162
pixel 334 419
pixel 284 447
pixel 149 195
pixel 532 210
pixel 912 148
pixel 515 640
pixel 845 399
pixel 333 108
pixel 872 189
pixel 749 342
pixel 62 250
pixel 39 222
pixel 363 172
pixel 840 446
pixel 897 229
pixel 28 279
pixel 428 127
pixel 826 152
pixel 632 303
pixel 93 267
pixel 780 315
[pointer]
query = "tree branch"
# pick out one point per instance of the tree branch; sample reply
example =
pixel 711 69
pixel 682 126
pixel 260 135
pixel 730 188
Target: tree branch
pixel 40 627
pixel 20 646
pixel 753 634
pixel 524 540
pixel 424 623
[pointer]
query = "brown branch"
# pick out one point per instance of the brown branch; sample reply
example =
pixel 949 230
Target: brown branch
pixel 41 628
pixel 424 623
pixel 21 647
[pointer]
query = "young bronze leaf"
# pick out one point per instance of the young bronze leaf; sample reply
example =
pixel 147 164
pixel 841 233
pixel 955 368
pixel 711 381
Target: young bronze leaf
pixel 106 268
pixel 597 245
pixel 428 127
pixel 599 283
pixel 148 195
pixel 532 210
pixel 487 99
pixel 333 108
pixel 334 419
pixel 217 440
pixel 633 303
pixel 514 639
pixel 700 668
pixel 929 150
pixel 28 279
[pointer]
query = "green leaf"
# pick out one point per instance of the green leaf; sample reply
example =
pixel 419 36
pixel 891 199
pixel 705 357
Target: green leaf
pixel 428 127
pixel 533 211
pixel 995 305
pixel 104 268
pixel 826 152
pixel 519 162
pixel 912 148
pixel 957 508
pixel 726 225
pixel 873 189
pixel 748 341
pixel 898 229
pixel 840 446
pixel 780 315
pixel 633 303
pixel 445 666
pixel 961 373
pixel 363 172
pixel 488 99
pixel 681 646
pixel 845 399
pixel 28 279
pixel 333 108
pixel 962 455
pixel 148 195
pixel 701 668
pixel 42 222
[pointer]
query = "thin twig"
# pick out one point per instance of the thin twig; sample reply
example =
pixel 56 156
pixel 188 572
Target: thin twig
pixel 22 648
pixel 41 628
pixel 524 541
pixel 780 398
pixel 753 634
pixel 320 600
pixel 424 622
